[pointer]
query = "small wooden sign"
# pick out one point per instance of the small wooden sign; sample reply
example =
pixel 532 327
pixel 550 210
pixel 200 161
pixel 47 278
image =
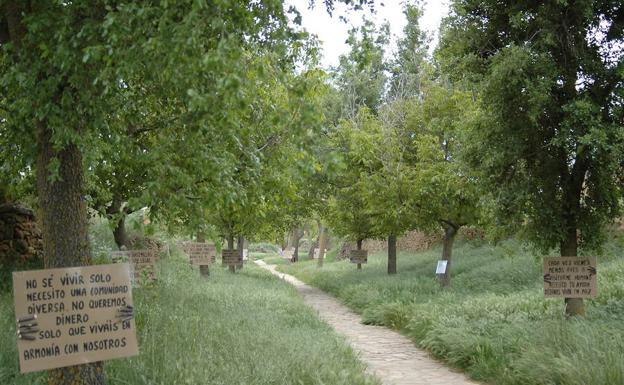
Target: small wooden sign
pixel 201 252
pixel 204 269
pixel 231 257
pixel 142 262
pixel 76 316
pixel 358 256
pixel 570 277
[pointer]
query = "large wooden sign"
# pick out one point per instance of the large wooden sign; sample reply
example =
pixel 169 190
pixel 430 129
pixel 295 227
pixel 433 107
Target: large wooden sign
pixel 70 316
pixel 358 256
pixel 201 253
pixel 570 277
pixel 231 257
pixel 142 262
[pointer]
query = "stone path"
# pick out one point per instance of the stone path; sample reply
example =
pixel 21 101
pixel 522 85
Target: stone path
pixel 390 356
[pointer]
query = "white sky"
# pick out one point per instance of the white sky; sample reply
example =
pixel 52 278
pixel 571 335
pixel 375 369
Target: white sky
pixel 333 32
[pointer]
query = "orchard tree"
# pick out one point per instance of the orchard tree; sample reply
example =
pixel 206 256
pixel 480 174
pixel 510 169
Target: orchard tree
pixel 360 76
pixel 445 190
pixel 551 76
pixel 62 66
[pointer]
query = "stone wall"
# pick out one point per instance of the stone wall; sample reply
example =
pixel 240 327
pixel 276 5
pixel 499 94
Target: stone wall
pixel 412 241
pixel 20 236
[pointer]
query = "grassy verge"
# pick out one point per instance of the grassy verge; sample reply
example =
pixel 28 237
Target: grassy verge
pixel 246 328
pixel 494 322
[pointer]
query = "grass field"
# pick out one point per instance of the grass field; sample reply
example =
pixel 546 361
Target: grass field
pixel 231 329
pixel 494 322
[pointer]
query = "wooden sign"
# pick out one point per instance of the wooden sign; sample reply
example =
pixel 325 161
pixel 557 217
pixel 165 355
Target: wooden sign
pixel 358 256
pixel 204 269
pixel 201 252
pixel 76 316
pixel 142 262
pixel 231 257
pixel 570 277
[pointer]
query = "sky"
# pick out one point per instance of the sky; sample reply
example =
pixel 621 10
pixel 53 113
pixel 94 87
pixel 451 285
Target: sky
pixel 333 33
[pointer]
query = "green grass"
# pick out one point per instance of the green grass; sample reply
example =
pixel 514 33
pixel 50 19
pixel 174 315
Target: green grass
pixel 244 328
pixel 493 322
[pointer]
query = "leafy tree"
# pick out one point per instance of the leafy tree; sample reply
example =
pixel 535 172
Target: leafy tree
pixel 63 66
pixel 551 143
pixel 409 66
pixel 360 76
pixel 446 192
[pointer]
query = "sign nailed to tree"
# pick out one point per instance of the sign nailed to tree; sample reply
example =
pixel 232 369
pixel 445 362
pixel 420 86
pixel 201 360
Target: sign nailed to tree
pixel 358 256
pixel 73 316
pixel 200 253
pixel 231 257
pixel 570 277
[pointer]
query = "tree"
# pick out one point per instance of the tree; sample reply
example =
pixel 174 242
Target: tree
pixel 62 66
pixel 446 191
pixel 551 77
pixel 348 211
pixel 360 76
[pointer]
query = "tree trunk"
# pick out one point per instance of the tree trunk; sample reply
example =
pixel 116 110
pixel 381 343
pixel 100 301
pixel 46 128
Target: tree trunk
pixel 65 233
pixel 450 230
pixel 201 237
pixel 313 246
pixel 322 244
pixel 392 258
pixel 230 243
pixel 359 247
pixel 119 233
pixel 297 237
pixel 240 245
pixel 569 248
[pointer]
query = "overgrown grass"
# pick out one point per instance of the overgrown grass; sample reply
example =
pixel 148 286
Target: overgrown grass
pixel 244 328
pixel 494 321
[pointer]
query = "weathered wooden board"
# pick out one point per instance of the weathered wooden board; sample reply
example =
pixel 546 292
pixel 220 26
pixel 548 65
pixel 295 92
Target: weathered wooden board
pixel 570 277
pixel 358 256
pixel 76 316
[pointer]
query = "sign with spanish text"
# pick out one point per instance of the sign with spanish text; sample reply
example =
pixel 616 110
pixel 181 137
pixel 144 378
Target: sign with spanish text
pixel 201 251
pixel 142 262
pixel 231 257
pixel 358 256
pixel 74 316
pixel 570 277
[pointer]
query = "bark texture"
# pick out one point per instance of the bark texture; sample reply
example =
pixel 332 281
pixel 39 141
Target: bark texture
pixel 450 231
pixel 392 250
pixel 322 244
pixel 65 236
pixel 569 248
pixel 359 247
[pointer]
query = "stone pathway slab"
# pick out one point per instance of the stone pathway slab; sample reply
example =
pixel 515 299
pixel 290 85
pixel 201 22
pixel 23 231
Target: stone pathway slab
pixel 388 355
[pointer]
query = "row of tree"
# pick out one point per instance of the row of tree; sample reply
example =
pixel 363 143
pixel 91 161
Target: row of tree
pixel 516 124
pixel 215 116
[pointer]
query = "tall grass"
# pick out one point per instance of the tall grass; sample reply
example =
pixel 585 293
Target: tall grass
pixel 244 328
pixel 494 321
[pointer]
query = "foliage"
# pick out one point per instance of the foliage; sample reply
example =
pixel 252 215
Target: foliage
pixel 197 331
pixel 495 322
pixel 550 144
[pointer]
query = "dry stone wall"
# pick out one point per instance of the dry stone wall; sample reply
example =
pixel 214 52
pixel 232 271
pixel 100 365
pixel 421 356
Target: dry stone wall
pixel 20 237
